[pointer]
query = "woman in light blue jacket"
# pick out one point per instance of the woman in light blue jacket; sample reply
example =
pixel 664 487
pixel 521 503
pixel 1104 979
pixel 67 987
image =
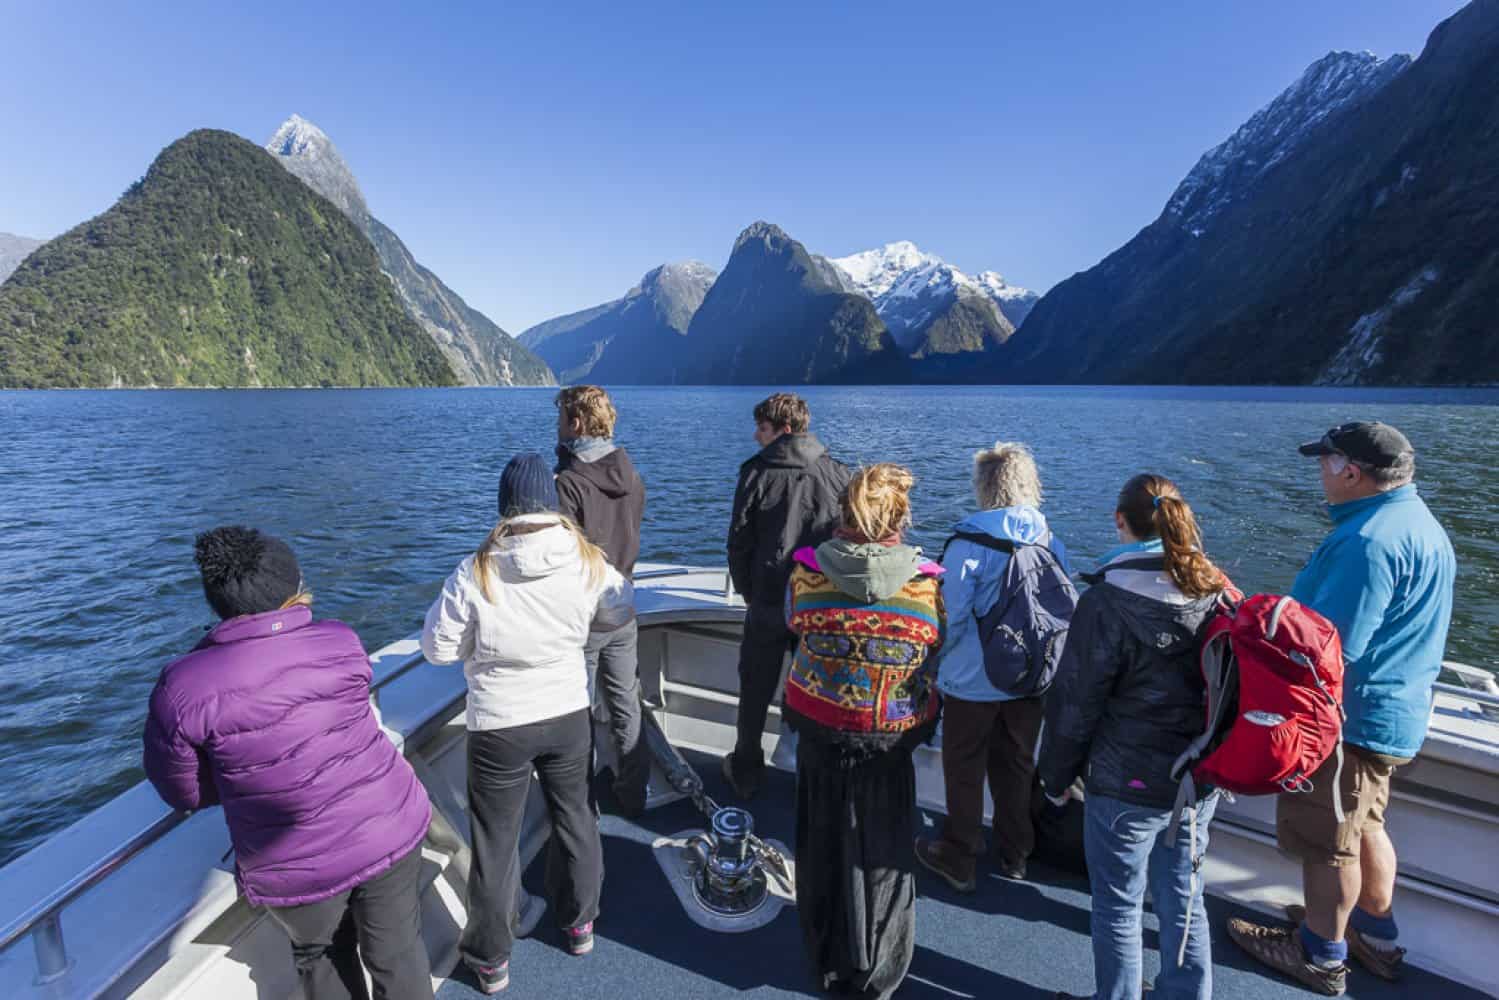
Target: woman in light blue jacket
pixel 986 731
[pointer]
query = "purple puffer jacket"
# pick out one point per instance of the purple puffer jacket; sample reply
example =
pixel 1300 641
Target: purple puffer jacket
pixel 270 716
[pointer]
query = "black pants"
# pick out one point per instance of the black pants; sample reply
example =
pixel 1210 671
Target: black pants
pixel 500 762
pixel 762 652
pixel 997 739
pixel 855 871
pixel 614 665
pixel 380 921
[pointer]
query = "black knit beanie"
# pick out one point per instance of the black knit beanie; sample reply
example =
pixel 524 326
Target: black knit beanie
pixel 244 571
pixel 527 486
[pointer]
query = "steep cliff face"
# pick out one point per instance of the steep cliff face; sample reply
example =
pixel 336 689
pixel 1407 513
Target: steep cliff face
pixel 479 351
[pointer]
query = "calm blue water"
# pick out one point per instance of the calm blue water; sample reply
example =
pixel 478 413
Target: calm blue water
pixel 381 492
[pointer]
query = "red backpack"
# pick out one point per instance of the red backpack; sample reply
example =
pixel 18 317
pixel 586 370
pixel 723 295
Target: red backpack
pixel 1274 674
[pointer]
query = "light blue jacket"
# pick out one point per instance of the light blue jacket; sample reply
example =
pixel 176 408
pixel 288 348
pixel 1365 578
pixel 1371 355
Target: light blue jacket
pixel 971 585
pixel 1384 577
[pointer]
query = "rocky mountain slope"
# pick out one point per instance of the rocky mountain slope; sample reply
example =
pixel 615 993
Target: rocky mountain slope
pixel 479 351
pixel 1348 233
pixel 13 250
pixel 634 339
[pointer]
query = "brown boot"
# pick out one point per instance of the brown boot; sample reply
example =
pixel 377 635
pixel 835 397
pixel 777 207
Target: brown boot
pixel 1387 964
pixel 945 861
pixel 1280 949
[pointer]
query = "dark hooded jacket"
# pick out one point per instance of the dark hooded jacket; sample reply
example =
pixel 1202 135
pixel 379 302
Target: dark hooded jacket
pixel 606 497
pixel 1129 693
pixel 787 499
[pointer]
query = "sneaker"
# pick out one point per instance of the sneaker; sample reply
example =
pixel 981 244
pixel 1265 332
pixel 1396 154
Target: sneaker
pixel 940 859
pixel 1280 949
pixel 745 787
pixel 579 939
pixel 492 978
pixel 1386 963
pixel 1012 870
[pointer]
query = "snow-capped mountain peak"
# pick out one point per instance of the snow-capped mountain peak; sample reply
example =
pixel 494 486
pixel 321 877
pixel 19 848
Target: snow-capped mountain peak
pixel 874 272
pixel 306 151
pixel 910 288
pixel 1227 171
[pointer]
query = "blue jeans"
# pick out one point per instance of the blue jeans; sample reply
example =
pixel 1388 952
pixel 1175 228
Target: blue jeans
pixel 1126 848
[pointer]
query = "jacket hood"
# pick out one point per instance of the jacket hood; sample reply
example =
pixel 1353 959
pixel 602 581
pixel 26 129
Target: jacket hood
pixel 1023 524
pixel 537 553
pixel 611 473
pixel 868 571
pixel 792 451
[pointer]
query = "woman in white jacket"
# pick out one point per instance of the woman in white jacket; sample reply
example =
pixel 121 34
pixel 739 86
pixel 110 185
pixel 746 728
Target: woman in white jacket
pixel 517 613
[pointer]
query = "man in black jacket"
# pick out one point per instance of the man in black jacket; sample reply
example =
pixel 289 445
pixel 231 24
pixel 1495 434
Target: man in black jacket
pixel 598 487
pixel 787 498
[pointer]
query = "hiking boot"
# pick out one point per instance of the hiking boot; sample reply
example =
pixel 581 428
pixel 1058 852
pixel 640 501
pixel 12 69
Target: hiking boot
pixel 744 786
pixel 579 939
pixel 939 857
pixel 1280 949
pixel 1386 963
pixel 492 978
pixel 1012 870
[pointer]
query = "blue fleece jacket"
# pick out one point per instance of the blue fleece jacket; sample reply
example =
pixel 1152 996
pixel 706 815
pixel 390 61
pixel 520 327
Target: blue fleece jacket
pixel 1384 577
pixel 971 585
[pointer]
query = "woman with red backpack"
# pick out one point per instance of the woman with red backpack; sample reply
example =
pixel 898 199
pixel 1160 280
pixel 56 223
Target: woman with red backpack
pixel 1127 701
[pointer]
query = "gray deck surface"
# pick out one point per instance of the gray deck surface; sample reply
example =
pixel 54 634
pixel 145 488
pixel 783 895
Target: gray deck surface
pixel 1023 940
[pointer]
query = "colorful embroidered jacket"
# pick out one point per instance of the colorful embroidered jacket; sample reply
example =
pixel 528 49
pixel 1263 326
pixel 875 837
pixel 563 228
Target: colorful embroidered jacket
pixel 860 675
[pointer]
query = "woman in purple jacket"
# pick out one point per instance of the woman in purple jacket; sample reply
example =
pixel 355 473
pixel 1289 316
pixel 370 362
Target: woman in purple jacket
pixel 269 716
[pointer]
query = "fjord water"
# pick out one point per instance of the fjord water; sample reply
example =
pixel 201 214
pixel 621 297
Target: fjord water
pixel 381 492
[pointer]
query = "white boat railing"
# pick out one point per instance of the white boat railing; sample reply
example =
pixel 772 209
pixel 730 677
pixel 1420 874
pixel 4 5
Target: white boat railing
pixel 43 919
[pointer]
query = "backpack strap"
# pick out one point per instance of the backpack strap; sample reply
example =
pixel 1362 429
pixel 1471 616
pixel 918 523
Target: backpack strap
pixel 980 539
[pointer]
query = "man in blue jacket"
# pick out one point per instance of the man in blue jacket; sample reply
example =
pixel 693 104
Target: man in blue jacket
pixel 1384 576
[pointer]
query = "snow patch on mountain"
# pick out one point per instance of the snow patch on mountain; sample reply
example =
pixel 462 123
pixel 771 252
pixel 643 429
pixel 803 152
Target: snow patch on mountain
pixel 1228 171
pixel 1361 353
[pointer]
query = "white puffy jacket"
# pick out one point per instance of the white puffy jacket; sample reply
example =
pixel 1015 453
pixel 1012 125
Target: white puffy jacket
pixel 522 650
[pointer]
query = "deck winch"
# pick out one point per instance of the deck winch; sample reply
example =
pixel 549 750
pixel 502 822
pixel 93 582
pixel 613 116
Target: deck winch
pixel 727 874
pixel 727 878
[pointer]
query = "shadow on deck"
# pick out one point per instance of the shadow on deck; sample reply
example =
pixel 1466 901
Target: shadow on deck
pixel 1021 940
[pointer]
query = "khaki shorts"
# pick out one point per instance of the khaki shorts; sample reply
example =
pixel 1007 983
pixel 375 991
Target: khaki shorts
pixel 1306 825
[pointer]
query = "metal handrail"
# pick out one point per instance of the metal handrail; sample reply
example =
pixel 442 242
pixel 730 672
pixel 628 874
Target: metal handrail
pixel 43 915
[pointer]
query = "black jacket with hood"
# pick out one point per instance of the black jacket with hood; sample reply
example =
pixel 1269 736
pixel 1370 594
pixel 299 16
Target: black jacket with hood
pixel 787 498
pixel 1128 696
pixel 606 497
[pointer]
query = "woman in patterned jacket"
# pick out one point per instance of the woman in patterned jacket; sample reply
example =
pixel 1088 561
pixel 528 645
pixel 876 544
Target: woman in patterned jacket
pixel 868 614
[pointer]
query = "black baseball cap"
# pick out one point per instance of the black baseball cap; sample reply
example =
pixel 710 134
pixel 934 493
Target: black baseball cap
pixel 1367 442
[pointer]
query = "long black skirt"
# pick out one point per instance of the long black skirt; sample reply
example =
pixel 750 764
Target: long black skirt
pixel 855 867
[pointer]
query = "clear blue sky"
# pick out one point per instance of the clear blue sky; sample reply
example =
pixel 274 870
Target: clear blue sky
pixel 540 158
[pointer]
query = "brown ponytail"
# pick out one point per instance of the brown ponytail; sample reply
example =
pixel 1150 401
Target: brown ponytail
pixel 1152 507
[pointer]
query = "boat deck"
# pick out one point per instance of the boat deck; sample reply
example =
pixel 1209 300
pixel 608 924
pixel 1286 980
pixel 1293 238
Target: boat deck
pixel 1021 940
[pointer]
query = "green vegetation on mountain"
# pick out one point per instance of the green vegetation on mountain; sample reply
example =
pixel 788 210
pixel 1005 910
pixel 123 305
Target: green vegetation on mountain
pixel 218 268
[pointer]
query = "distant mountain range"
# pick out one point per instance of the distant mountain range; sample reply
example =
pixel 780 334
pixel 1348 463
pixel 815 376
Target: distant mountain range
pixel 217 268
pixel 638 338
pixel 785 314
pixel 480 352
pixel 1348 233
pixel 13 250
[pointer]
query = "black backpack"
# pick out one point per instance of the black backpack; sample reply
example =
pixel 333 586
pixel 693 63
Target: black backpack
pixel 1022 636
